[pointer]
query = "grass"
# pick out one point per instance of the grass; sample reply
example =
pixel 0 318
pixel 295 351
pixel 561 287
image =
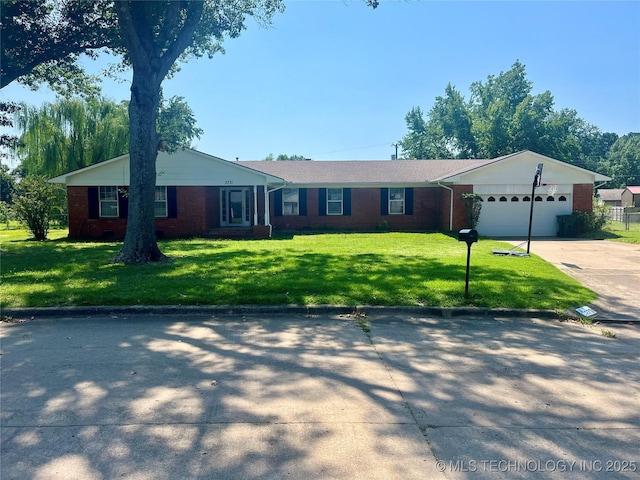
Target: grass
pixel 617 232
pixel 608 334
pixel 339 269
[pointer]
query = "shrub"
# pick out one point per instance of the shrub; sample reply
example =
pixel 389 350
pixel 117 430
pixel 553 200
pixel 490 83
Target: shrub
pixel 591 222
pixel 34 203
pixel 472 207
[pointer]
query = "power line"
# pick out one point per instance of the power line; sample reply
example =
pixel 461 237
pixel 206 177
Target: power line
pixel 349 149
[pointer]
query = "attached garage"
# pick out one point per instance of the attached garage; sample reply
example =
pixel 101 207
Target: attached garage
pixel 505 188
pixel 508 215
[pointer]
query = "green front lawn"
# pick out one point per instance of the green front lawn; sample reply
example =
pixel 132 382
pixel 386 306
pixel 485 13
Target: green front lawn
pixel 339 269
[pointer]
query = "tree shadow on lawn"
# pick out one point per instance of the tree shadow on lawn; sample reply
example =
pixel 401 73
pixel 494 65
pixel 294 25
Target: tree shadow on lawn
pixel 203 397
pixel 215 276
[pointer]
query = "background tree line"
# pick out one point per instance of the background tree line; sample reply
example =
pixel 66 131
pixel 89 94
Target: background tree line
pixel 502 116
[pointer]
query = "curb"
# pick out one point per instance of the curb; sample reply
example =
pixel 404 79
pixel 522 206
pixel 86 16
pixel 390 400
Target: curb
pixel 440 312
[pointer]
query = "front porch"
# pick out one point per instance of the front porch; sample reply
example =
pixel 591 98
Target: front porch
pixel 230 233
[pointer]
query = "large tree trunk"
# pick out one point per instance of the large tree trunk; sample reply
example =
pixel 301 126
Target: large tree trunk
pixel 140 245
pixel 152 53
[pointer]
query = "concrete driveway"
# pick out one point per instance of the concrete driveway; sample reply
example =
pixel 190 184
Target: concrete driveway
pixel 300 397
pixel 611 269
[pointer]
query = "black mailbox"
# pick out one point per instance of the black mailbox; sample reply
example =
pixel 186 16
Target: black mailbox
pixel 468 235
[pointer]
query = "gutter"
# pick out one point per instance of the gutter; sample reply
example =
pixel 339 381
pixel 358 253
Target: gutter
pixel 450 206
pixel 266 203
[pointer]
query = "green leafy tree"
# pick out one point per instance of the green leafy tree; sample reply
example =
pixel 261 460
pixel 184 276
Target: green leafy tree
pixel 176 124
pixel 72 133
pixel 417 143
pixel 151 37
pixel 7 184
pixel 42 41
pixel 623 161
pixel 69 134
pixel 34 204
pixel 502 116
pixel 8 142
pixel 282 156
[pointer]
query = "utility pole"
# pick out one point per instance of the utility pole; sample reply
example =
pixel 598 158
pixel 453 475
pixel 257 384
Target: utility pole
pixel 395 145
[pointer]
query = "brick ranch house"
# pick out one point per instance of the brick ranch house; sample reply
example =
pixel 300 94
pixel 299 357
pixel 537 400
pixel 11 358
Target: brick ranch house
pixel 202 195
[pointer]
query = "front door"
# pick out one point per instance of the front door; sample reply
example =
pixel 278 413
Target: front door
pixel 234 205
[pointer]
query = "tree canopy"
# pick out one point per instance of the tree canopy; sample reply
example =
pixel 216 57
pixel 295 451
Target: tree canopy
pixel 623 161
pixel 283 156
pixel 72 133
pixel 45 36
pixel 502 116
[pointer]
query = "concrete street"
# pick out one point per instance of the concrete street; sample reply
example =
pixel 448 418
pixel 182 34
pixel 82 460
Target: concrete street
pixel 188 396
pixel 611 269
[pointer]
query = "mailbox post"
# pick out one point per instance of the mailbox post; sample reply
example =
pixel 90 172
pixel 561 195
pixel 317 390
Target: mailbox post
pixel 470 236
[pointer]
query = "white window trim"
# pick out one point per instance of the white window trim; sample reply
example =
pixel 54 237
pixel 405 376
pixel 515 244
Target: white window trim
pixel 403 201
pixel 165 201
pixel 101 201
pixel 341 202
pixel 297 202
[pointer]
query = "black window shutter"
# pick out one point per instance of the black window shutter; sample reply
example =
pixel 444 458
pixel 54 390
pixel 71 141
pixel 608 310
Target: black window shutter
pixel 346 202
pixel 172 202
pixel 322 202
pixel 408 201
pixel 384 201
pixel 123 202
pixel 302 199
pixel 277 203
pixel 94 209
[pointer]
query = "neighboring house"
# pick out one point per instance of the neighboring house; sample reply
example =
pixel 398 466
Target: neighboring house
pixel 631 196
pixel 203 195
pixel 611 196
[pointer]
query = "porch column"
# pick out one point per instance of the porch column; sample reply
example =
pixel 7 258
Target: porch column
pixel 255 205
pixel 267 218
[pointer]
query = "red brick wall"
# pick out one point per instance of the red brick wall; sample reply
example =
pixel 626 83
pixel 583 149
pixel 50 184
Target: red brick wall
pixel 365 213
pixel 193 210
pixel 191 214
pixel 198 211
pixel 583 197
pixel 459 214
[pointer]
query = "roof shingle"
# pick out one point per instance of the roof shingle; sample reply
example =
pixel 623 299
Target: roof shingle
pixel 361 171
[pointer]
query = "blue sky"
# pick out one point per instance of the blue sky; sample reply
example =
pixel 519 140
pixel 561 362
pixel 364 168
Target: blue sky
pixel 333 80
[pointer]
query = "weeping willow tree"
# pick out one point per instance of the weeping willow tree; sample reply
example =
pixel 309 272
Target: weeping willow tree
pixel 69 134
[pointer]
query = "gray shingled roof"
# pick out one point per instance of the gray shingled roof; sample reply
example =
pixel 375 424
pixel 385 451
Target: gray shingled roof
pixel 367 172
pixel 610 194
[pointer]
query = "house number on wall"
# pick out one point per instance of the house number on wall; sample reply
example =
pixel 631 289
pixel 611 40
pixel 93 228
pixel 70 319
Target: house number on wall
pixel 228 182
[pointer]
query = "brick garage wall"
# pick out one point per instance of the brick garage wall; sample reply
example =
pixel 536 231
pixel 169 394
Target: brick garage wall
pixel 459 214
pixel 192 209
pixel 583 197
pixel 365 213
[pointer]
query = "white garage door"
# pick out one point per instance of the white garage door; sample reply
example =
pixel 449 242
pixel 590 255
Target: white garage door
pixel 508 215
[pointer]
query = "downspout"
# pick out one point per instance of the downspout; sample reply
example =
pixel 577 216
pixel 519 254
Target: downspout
pixel 450 206
pixel 267 216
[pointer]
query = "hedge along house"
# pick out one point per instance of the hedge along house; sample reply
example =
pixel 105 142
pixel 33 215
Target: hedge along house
pixel 202 195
